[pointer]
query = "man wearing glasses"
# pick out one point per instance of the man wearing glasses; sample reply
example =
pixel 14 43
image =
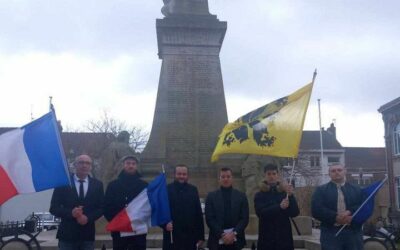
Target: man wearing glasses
pixel 78 206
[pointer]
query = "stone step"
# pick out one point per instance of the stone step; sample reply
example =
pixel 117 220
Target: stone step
pixel 154 241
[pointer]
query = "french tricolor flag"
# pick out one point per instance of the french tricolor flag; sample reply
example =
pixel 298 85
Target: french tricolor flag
pixel 32 158
pixel 149 208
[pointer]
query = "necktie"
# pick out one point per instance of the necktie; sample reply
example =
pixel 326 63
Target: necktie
pixel 81 191
pixel 341 205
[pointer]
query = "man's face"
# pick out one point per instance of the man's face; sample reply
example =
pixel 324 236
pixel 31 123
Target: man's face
pixel 130 166
pixel 181 174
pixel 225 179
pixel 271 176
pixel 83 166
pixel 337 173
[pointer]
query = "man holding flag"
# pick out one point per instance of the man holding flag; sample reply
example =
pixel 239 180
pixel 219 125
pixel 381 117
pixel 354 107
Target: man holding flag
pixel 186 227
pixel 119 194
pixel 334 204
pixel 132 206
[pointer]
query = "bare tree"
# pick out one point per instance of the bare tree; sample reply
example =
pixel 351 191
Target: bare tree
pixel 108 124
pixel 304 173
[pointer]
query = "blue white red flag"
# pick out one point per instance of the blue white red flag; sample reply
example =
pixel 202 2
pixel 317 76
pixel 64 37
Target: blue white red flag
pixel 149 208
pixel 32 158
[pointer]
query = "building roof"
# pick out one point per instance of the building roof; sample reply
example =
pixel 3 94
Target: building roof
pixel 311 140
pixel 369 159
pixel 392 104
pixel 5 129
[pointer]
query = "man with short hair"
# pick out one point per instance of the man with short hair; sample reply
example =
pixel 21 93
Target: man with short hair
pixel 119 194
pixel 274 205
pixel 334 204
pixel 187 225
pixel 78 206
pixel 227 215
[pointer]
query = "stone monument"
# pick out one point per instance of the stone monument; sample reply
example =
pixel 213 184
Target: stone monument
pixel 190 109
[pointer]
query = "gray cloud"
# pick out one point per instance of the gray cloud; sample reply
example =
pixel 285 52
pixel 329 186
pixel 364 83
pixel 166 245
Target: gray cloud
pixel 271 47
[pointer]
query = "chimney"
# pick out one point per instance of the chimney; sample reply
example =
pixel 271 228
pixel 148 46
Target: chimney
pixel 332 130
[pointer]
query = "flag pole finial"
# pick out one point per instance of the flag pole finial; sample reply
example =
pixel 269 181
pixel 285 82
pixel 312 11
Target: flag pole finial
pixel 51 107
pixel 314 75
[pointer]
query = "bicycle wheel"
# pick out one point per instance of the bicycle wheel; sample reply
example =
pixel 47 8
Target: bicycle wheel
pixel 374 244
pixel 16 243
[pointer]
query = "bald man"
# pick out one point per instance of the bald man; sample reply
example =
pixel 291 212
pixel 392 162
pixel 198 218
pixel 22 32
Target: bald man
pixel 334 204
pixel 79 206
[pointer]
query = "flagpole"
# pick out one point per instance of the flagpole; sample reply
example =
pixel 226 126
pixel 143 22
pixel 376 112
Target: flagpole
pixel 170 232
pixel 291 175
pixel 366 200
pixel 292 172
pixel 51 103
pixel 320 136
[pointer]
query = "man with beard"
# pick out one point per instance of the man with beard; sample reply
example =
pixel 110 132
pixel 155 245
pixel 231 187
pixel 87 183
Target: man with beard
pixel 186 227
pixel 119 194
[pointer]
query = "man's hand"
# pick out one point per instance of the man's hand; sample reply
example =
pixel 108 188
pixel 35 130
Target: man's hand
pixel 285 203
pixel 77 212
pixel 82 220
pixel 344 218
pixel 289 189
pixel 228 238
pixel 169 227
pixel 199 243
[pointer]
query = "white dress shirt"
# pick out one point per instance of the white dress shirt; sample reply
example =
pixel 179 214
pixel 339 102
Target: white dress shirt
pixel 85 184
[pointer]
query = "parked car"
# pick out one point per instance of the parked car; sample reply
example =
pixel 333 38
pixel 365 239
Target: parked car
pixel 44 220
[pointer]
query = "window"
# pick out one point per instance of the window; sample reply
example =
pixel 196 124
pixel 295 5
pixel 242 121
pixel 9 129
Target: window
pixel 333 160
pixel 397 183
pixel 362 180
pixel 315 161
pixel 396 140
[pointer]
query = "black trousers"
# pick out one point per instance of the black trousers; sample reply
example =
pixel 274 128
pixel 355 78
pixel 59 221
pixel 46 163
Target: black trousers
pixel 227 247
pixel 137 242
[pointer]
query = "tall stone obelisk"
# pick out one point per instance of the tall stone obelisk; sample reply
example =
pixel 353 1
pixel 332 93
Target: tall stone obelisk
pixel 190 109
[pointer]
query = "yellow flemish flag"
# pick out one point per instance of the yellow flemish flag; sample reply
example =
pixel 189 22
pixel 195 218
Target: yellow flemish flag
pixel 274 129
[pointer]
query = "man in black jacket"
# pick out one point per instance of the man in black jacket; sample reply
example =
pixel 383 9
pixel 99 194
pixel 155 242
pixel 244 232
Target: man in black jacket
pixel 187 225
pixel 227 215
pixel 119 194
pixel 275 205
pixel 78 206
pixel 333 204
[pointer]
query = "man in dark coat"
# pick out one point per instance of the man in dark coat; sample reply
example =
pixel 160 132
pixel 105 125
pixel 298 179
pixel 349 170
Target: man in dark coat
pixel 187 225
pixel 333 204
pixel 227 215
pixel 275 204
pixel 119 194
pixel 78 206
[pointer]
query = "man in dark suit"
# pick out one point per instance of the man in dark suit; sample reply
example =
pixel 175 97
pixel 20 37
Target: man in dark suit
pixel 78 206
pixel 187 225
pixel 119 194
pixel 227 215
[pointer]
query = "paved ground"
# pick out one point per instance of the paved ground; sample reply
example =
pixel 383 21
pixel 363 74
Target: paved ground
pixel 48 241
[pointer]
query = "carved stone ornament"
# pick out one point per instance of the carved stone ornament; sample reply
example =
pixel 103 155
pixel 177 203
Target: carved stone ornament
pixel 185 7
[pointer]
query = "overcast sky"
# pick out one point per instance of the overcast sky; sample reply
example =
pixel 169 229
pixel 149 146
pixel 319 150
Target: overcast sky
pixel 96 55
